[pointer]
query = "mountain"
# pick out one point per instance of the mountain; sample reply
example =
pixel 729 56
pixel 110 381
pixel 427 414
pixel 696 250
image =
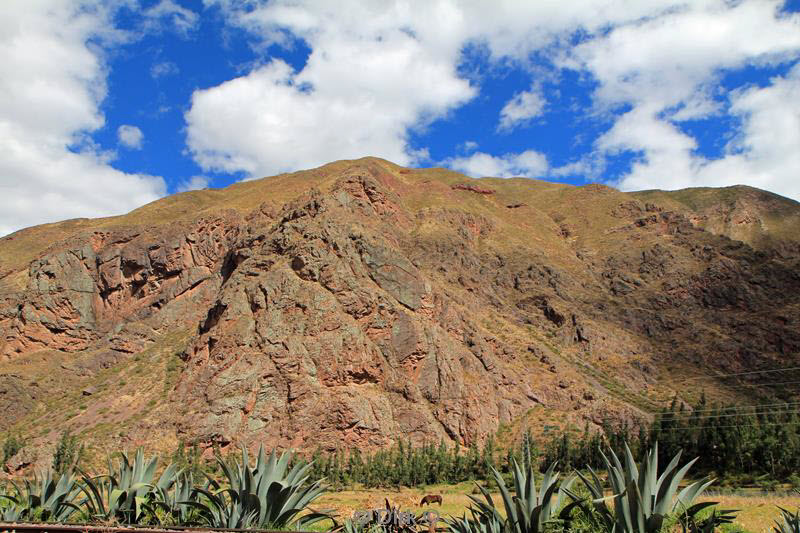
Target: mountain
pixel 761 219
pixel 363 302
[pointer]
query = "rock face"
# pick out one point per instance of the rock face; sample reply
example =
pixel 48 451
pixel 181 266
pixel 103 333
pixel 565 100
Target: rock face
pixel 378 303
pixel 91 288
pixel 327 332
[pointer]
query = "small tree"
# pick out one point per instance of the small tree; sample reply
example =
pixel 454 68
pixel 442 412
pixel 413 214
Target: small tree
pixel 68 454
pixel 12 446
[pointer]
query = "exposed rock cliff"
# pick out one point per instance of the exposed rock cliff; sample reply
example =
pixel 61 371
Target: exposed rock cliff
pixel 361 302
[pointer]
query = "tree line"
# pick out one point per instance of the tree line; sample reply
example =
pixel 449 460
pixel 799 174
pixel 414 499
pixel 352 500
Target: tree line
pixel 757 444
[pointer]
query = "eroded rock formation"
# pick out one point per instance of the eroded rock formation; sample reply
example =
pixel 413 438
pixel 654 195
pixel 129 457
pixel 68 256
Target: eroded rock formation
pixel 372 306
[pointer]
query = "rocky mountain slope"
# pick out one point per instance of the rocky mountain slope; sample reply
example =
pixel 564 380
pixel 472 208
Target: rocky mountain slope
pixel 363 302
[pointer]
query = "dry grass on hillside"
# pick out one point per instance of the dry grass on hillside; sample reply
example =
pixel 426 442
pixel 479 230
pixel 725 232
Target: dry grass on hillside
pixel 757 513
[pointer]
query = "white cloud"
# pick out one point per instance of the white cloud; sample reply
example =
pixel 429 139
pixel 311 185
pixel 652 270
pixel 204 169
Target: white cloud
pixel 364 86
pixel 521 109
pixel 764 155
pixel 529 164
pixel 194 183
pixel 130 136
pixel 668 68
pixel 163 68
pixel 378 70
pixel 467 147
pixel 590 167
pixel 52 84
pixel 671 59
pixel 167 13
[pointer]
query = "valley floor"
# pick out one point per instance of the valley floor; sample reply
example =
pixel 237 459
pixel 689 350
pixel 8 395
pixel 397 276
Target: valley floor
pixel 757 511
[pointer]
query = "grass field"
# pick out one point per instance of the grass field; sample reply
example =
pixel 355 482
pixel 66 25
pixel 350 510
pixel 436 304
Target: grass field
pixel 757 512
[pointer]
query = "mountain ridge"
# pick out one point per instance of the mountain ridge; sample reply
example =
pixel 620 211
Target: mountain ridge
pixel 361 301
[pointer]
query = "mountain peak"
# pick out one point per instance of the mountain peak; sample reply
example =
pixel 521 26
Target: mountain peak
pixel 359 302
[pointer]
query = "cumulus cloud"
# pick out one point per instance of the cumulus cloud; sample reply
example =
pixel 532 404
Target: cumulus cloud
pixel 194 183
pixel 366 85
pixel 764 155
pixel 380 70
pixel 52 84
pixel 528 164
pixel 377 70
pixel 363 88
pixel 521 109
pixel 467 147
pixel 130 136
pixel 665 70
pixel 670 60
pixel 590 167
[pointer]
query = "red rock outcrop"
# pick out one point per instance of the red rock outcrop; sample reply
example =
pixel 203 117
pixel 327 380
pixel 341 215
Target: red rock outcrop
pixel 471 188
pixel 371 307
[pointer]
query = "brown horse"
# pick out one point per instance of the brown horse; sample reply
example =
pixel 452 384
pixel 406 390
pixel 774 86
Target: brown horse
pixel 431 499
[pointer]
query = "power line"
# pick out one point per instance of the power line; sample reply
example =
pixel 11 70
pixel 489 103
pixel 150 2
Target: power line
pixel 725 376
pixel 742 407
pixel 758 406
pixel 774 411
pixel 770 383
pixel 733 426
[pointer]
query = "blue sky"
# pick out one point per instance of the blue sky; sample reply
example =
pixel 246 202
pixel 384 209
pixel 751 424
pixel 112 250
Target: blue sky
pixel 107 106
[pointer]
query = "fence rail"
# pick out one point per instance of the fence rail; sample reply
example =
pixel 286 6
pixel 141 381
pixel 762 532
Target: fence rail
pixel 81 528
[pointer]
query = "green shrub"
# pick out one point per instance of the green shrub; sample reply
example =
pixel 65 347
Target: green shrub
pixel 12 445
pixel 68 454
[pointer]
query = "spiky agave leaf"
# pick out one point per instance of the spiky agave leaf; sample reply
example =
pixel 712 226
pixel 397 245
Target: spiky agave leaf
pixel 527 509
pixel 11 504
pixel 57 497
pixel 690 523
pixel 129 492
pixel 789 522
pixel 44 499
pixel 642 499
pixel 484 519
pixel 172 500
pixel 269 495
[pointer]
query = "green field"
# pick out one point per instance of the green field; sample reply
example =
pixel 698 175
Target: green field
pixel 757 512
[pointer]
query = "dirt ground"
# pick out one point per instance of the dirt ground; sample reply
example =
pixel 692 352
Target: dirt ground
pixel 757 513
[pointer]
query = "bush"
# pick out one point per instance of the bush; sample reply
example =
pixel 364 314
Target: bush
pixel 12 446
pixel 767 483
pixel 68 454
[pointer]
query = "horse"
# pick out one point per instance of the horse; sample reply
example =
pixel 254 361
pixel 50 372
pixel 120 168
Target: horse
pixel 431 499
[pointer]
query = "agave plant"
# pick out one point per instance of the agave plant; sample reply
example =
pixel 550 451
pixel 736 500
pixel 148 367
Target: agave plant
pixel 642 499
pixel 176 502
pixel 42 499
pixel 789 522
pixel 126 494
pixel 268 496
pixel 390 520
pixel 691 523
pixel 479 522
pixel 526 511
pixel 10 511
